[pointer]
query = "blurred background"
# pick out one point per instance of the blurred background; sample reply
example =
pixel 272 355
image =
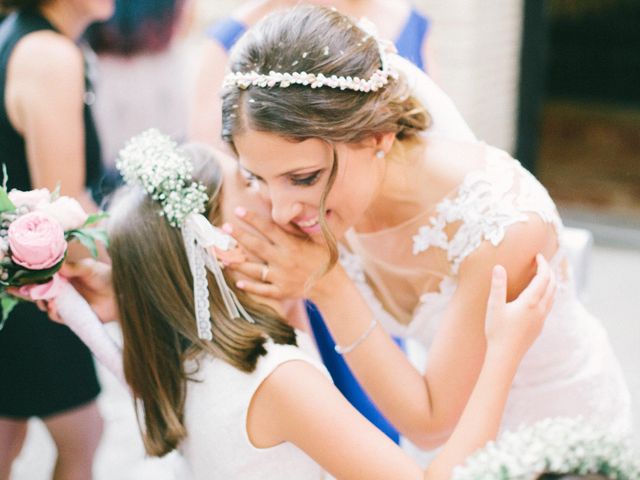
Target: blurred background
pixel 554 82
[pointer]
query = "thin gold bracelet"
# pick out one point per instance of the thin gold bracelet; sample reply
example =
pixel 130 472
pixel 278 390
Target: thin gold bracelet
pixel 349 348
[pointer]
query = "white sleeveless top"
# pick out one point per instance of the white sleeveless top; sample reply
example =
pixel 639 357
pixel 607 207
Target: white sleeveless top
pixel 217 445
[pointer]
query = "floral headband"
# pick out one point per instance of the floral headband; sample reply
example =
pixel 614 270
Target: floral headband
pixel 376 81
pixel 156 163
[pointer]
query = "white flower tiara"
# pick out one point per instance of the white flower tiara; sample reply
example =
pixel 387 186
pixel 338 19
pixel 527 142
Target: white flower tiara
pixel 553 445
pixel 156 163
pixel 375 82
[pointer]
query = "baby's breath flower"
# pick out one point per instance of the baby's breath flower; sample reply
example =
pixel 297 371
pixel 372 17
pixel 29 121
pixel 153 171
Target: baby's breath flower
pixel 553 445
pixel 155 162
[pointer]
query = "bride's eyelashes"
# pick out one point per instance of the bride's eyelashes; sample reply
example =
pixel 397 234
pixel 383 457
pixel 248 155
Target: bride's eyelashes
pixel 306 180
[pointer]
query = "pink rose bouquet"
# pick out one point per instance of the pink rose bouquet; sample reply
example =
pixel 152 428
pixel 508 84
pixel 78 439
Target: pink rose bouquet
pixel 35 229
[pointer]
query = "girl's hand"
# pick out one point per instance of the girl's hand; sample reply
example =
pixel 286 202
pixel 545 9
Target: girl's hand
pixel 92 279
pixel 287 264
pixel 515 325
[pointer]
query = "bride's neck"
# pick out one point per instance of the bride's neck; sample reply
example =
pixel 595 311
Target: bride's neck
pixel 402 194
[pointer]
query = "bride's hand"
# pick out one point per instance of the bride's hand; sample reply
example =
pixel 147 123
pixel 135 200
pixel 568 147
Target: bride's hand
pixel 514 326
pixel 287 266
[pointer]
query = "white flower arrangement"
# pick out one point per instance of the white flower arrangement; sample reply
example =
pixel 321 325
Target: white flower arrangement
pixel 156 163
pixel 554 445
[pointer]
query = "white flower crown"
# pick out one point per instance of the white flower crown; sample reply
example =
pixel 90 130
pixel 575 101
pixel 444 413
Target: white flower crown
pixel 553 445
pixel 156 163
pixel 378 79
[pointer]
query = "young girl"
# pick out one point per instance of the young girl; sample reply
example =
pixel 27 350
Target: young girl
pixel 329 128
pixel 234 393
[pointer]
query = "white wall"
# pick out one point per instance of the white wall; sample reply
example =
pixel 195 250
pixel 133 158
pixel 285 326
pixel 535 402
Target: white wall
pixel 477 49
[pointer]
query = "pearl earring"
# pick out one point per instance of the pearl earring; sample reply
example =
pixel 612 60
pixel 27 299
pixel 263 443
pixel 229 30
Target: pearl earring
pixel 380 154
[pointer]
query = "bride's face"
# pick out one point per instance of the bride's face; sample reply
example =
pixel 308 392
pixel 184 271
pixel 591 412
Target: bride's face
pixel 292 176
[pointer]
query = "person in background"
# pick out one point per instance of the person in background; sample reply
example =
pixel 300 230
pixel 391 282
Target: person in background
pixel 140 69
pixel 47 137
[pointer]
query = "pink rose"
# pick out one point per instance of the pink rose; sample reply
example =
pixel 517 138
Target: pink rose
pixel 41 291
pixel 30 199
pixel 36 241
pixel 67 211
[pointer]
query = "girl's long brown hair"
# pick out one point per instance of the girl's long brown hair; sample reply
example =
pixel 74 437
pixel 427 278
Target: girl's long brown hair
pixel 154 291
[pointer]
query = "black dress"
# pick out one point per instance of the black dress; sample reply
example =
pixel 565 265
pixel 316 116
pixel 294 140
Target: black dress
pixel 44 368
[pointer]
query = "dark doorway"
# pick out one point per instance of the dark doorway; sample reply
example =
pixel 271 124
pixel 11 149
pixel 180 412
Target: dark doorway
pixel 586 57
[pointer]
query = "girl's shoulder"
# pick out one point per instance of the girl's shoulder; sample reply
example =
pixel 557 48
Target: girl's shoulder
pixel 207 368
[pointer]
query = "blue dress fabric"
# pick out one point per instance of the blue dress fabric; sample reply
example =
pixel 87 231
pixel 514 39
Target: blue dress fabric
pixel 342 376
pixel 226 32
pixel 409 44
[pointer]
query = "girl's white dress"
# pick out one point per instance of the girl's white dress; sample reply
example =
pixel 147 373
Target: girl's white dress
pixel 570 370
pixel 217 445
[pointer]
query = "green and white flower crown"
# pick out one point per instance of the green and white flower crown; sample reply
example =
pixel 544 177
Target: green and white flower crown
pixel 156 163
pixel 554 445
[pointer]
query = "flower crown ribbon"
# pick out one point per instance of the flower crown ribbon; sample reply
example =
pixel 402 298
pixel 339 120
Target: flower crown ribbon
pixel 154 162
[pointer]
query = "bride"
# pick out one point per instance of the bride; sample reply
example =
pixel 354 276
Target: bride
pixel 349 156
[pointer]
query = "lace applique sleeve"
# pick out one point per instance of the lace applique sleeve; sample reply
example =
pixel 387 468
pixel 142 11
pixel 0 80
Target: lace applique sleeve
pixel 486 203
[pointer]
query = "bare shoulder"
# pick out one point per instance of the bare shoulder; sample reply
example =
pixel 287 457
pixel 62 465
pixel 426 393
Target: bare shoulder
pixel 61 54
pixel 284 399
pixel 447 162
pixel 516 251
pixel 293 378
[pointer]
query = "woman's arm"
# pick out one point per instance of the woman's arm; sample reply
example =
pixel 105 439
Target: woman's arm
pixel 45 102
pixel 296 403
pixel 423 408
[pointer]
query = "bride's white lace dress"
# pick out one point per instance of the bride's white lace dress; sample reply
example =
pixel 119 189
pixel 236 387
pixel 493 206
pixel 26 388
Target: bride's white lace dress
pixel 570 369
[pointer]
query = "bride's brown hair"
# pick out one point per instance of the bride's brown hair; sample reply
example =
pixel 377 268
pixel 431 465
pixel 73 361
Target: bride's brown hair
pixel 154 291
pixel 316 40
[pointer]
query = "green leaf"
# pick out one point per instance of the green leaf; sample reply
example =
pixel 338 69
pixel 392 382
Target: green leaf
pixel 87 240
pixel 7 302
pixel 55 194
pixel 97 234
pixel 95 218
pixel 6 205
pixel 24 276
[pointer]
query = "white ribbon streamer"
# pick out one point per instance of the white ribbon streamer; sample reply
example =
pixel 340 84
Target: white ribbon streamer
pixel 82 320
